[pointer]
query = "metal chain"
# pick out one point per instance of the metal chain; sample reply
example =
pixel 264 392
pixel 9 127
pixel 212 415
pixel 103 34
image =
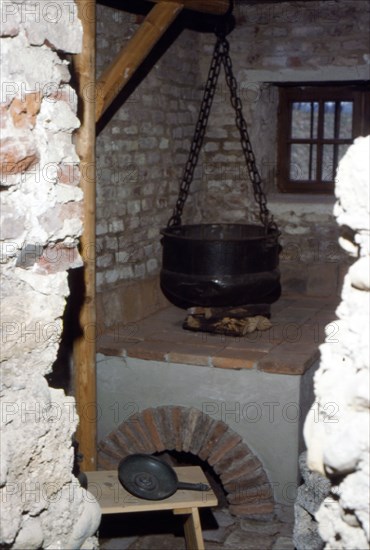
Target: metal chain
pixel 198 136
pixel 250 159
pixel 221 54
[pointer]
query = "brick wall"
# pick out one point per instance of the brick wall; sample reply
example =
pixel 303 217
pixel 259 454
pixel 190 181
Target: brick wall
pixel 272 43
pixel 142 150
pixel 141 153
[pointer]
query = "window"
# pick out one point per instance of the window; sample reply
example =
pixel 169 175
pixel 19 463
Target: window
pixel 317 124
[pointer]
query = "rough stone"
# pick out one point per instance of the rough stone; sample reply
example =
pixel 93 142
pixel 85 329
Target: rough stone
pixel 340 447
pixel 30 535
pixel 283 543
pixel 18 154
pixel 306 531
pixel 41 506
pixel 260 527
pixel 215 535
pixel 223 518
pixel 240 540
pixel 56 28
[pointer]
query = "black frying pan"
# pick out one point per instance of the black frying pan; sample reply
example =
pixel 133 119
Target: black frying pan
pixel 146 476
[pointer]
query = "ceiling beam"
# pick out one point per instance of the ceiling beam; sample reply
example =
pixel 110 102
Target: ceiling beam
pixel 214 7
pixel 129 59
pixel 134 52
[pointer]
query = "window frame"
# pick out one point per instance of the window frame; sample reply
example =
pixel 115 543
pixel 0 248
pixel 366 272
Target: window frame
pixel 318 92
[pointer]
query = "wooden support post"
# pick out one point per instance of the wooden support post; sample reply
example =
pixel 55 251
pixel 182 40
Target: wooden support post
pixel 192 528
pixel 85 346
pixel 119 72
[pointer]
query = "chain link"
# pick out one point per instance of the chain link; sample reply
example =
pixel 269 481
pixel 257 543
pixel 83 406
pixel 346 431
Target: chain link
pixel 198 136
pixel 221 55
pixel 250 159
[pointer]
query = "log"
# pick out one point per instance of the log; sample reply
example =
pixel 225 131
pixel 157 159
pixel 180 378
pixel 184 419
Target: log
pixel 238 312
pixel 84 352
pixel 228 326
pixel 119 72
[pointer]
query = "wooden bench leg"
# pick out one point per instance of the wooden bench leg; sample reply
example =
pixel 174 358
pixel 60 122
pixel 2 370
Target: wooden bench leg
pixel 192 528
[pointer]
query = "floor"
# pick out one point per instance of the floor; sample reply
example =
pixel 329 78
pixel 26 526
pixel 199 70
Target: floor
pixel 220 531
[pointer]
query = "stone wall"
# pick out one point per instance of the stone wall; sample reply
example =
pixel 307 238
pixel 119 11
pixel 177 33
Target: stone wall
pixel 142 150
pixel 42 503
pixel 338 439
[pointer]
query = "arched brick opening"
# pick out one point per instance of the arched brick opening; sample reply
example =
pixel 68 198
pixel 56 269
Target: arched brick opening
pixel 183 429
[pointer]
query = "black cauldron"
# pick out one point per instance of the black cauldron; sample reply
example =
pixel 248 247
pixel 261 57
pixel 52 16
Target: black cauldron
pixel 220 265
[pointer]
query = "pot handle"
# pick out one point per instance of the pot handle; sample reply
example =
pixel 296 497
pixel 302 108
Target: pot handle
pixel 193 486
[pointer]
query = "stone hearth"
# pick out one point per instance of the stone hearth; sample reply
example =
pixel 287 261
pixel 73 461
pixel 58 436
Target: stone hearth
pixel 237 403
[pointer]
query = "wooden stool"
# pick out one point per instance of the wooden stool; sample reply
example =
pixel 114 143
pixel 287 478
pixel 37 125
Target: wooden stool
pixel 114 499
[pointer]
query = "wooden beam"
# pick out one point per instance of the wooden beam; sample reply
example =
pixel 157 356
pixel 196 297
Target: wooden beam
pixel 84 352
pixel 119 72
pixel 215 7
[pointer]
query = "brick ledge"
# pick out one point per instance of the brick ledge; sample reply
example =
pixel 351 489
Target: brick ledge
pixel 291 346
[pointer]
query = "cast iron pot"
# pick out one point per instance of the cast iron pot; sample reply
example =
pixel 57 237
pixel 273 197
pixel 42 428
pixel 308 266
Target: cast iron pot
pixel 218 265
pixel 146 476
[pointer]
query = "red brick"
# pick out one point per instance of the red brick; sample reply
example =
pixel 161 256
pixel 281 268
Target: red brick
pixel 246 345
pixel 143 433
pixel 217 430
pixel 151 426
pixel 278 362
pixel 237 359
pixel 238 453
pixel 256 477
pixel 201 431
pixel 17 154
pixel 236 471
pixel 176 423
pixel 164 419
pixel 190 419
pixel 253 494
pixel 69 174
pixel 230 440
pixel 109 345
pixel 24 111
pixel 135 435
pixel 57 257
pixel 53 220
pixel 124 444
pixel 151 351
pixel 187 354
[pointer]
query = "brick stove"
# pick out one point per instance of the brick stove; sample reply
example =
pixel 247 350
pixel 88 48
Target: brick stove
pixel 238 404
pixel 189 430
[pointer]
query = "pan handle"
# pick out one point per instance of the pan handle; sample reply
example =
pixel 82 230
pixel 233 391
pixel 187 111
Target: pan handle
pixel 193 486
